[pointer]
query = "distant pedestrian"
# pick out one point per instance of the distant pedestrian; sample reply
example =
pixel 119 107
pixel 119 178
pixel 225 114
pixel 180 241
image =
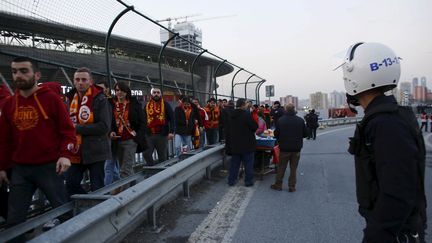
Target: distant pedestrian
pixel 276 112
pixel 90 113
pixel 160 126
pixel 204 119
pixel 186 119
pixel 312 123
pixel 388 148
pixel 36 141
pixel 267 117
pixel 289 133
pixel 241 143
pixel 212 126
pixel 430 120
pixel 424 121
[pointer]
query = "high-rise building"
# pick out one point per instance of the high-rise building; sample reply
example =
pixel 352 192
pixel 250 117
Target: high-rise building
pixel 319 101
pixel 423 81
pixel 289 99
pixel 337 99
pixel 415 83
pixel 187 31
pixel 420 93
pixel 404 93
pixel 405 87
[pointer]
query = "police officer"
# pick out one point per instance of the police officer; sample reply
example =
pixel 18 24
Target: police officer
pixel 388 148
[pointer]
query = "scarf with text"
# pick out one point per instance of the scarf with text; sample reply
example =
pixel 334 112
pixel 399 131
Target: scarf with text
pixel 155 115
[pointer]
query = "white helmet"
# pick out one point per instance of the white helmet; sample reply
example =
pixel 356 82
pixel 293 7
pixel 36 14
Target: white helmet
pixel 370 65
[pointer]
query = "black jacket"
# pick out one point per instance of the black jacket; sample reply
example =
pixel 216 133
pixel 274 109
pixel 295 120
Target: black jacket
pixel 276 114
pixel 95 141
pixel 182 127
pixel 137 122
pixel 169 116
pixel 389 160
pixel 290 131
pixel 240 132
pixel 312 120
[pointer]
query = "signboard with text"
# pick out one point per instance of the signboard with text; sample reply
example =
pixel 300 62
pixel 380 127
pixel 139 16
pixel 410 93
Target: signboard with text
pixel 269 90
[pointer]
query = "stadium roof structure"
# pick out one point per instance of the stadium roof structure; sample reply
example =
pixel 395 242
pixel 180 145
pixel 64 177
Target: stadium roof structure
pixel 135 54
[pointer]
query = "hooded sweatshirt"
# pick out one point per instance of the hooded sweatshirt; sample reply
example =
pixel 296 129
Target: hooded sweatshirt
pixel 4 94
pixel 35 130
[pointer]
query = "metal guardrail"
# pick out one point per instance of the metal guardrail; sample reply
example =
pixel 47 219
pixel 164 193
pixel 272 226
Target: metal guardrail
pixel 113 218
pixel 84 202
pixel 339 121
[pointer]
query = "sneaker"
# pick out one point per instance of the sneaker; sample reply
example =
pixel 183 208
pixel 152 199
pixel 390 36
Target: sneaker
pixel 249 184
pixel 276 187
pixel 291 189
pixel 51 224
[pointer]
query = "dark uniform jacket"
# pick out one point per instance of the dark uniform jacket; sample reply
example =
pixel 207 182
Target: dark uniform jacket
pixel 240 132
pixel 290 131
pixel 389 163
pixel 312 120
pixel 276 114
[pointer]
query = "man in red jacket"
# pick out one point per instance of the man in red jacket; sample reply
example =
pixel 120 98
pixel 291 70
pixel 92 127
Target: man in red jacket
pixel 37 136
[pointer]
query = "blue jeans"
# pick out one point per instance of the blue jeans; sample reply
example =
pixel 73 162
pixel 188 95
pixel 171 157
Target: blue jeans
pixel 202 139
pixel 248 161
pixel 181 140
pixel 24 181
pixel 111 171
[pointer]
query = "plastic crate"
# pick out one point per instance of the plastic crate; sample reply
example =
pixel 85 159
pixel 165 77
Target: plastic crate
pixel 267 142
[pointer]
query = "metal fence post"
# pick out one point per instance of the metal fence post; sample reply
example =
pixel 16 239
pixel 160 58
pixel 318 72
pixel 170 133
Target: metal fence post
pixel 107 42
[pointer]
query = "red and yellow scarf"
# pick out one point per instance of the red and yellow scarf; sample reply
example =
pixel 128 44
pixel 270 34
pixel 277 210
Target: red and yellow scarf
pixel 187 111
pixel 121 115
pixel 213 113
pixel 81 112
pixel 155 115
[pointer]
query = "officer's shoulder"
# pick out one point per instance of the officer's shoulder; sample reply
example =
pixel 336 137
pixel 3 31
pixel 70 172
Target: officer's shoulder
pixel 386 121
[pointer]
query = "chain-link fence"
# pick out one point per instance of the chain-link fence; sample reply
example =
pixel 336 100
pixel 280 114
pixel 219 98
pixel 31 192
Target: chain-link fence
pixel 65 35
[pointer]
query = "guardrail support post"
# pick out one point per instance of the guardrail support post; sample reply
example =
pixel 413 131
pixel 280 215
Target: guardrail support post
pixel 186 191
pixel 208 173
pixel 151 216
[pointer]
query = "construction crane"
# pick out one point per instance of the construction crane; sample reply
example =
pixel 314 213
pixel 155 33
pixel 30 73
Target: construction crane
pixel 210 18
pixel 176 19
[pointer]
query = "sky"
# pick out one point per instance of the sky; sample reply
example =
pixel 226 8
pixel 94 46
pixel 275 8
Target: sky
pixel 293 44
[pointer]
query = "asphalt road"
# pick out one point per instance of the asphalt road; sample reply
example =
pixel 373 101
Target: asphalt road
pixel 323 209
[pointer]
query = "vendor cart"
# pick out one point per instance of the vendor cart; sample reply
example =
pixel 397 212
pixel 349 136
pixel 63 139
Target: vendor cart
pixel 264 154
